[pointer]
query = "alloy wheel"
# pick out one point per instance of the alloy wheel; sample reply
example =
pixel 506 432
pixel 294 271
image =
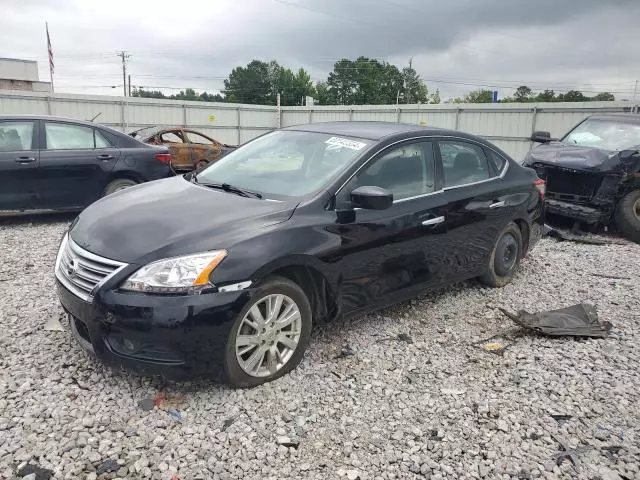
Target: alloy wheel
pixel 268 335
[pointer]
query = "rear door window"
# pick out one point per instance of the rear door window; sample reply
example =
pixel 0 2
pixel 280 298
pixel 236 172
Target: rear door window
pixel 16 136
pixel 462 163
pixel 171 137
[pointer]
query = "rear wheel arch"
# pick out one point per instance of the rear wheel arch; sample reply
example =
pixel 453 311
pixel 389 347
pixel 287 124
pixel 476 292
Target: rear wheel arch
pixel 523 225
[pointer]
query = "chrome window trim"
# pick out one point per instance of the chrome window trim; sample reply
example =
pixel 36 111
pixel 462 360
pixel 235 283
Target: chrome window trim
pixel 81 252
pixel 432 138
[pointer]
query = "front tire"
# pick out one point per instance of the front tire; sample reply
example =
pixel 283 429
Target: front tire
pixel 270 335
pixel 505 257
pixel 627 216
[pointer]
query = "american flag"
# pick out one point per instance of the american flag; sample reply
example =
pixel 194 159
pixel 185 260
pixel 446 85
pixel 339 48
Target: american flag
pixel 50 50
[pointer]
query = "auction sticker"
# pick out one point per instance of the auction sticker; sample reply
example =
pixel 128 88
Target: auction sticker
pixel 346 143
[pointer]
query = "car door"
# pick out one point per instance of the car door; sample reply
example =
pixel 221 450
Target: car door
pixel 203 150
pixel 75 165
pixel 391 254
pixel 477 205
pixel 19 159
pixel 180 149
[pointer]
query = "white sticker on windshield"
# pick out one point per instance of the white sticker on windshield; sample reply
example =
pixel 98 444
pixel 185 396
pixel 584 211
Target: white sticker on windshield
pixel 345 142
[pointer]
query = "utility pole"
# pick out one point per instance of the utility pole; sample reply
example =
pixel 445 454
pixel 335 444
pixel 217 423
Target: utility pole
pixel 124 55
pixel 407 84
pixel 129 85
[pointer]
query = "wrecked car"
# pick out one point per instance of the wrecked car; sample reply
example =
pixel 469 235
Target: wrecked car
pixel 297 227
pixel 189 149
pixel 593 172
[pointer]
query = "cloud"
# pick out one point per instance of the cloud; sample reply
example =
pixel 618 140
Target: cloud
pixel 457 45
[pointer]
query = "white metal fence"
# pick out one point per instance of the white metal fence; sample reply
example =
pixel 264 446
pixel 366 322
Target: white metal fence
pixel 507 125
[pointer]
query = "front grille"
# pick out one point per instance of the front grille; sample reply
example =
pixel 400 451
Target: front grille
pixel 572 184
pixel 82 271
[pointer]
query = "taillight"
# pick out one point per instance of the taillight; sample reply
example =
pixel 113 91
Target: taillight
pixel 541 186
pixel 163 157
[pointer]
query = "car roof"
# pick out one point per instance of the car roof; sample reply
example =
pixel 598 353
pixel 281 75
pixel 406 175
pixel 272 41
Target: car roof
pixel 618 117
pixel 51 117
pixel 367 130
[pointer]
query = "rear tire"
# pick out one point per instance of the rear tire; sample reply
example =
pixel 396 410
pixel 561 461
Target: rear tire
pixel 627 216
pixel 118 184
pixel 505 257
pixel 249 337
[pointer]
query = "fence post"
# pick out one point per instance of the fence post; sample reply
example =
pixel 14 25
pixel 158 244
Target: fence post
pixel 184 114
pixel 311 115
pixel 239 126
pixel 398 113
pixel 457 118
pixel 351 114
pixel 48 105
pixel 534 116
pixel 123 116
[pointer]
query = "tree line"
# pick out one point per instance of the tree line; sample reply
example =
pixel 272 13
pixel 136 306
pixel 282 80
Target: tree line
pixel 363 81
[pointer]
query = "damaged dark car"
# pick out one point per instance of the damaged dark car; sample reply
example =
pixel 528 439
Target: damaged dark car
pixel 593 172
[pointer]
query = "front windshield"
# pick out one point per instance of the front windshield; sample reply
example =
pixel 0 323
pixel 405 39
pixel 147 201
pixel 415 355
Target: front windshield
pixel 285 163
pixel 604 134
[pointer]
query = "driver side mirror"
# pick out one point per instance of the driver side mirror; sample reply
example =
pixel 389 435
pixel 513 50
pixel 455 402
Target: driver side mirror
pixel 541 137
pixel 371 198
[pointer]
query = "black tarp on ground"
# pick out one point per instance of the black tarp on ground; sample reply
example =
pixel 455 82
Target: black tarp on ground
pixel 577 320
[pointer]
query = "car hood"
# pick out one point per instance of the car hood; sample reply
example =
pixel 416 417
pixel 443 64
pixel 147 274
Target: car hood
pixel 558 154
pixel 172 217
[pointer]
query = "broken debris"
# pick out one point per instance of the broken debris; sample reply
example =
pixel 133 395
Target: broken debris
pixel 577 320
pixel 496 345
pixel 146 404
pixel 53 325
pixel 175 413
pixel 288 442
pixel 571 237
pixel 346 351
pixel 107 466
pixel 561 417
pixel 39 472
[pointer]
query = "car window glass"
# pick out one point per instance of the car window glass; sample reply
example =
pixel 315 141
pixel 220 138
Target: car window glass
pixel 604 134
pixel 286 163
pixel 16 136
pixel 197 138
pixel 406 171
pixel 462 163
pixel 101 141
pixel 496 160
pixel 68 137
pixel 171 137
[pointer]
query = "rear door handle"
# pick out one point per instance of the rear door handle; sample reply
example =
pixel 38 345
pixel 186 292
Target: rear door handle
pixel 433 221
pixel 497 204
pixel 25 159
pixel 105 157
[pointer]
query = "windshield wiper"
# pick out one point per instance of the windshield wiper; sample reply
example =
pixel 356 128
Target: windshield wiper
pixel 227 188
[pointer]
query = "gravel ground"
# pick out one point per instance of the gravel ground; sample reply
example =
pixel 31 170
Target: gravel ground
pixel 437 406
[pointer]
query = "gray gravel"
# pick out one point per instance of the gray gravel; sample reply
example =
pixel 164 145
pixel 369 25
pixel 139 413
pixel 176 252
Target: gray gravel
pixel 437 406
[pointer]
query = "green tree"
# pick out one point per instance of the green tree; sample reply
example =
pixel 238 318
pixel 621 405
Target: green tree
pixel 604 97
pixel 435 97
pixel 324 95
pixel 250 84
pixel 572 96
pixel 415 89
pixel 476 96
pixel 342 82
pixel 546 96
pixel 142 93
pixel 523 94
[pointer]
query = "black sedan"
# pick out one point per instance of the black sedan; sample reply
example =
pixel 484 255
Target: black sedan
pixel 300 226
pixel 50 163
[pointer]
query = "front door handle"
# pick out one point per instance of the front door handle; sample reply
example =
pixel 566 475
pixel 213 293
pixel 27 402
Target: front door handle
pixel 25 159
pixel 105 157
pixel 433 221
pixel 497 204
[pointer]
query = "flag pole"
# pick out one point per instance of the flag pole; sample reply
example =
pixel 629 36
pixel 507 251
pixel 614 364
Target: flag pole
pixel 50 51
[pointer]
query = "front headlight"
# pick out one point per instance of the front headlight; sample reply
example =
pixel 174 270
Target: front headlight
pixel 187 274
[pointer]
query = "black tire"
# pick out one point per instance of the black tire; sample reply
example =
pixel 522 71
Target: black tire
pixel 505 257
pixel 627 216
pixel 118 184
pixel 235 375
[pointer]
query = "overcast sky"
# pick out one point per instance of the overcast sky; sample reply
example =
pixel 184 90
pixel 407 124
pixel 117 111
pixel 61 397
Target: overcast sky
pixel 456 45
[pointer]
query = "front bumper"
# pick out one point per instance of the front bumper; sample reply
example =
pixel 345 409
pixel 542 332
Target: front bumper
pixel 176 337
pixel 582 213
